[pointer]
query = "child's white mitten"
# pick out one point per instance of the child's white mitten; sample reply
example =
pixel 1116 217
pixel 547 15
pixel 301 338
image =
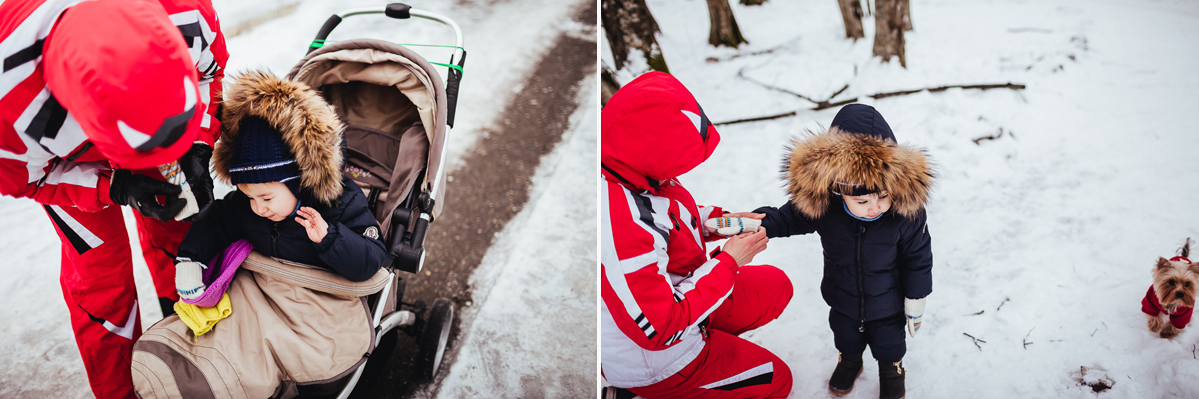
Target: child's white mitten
pixel 731 226
pixel 189 279
pixel 914 309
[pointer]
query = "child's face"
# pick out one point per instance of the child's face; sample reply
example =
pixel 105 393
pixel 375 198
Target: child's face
pixel 868 206
pixel 270 200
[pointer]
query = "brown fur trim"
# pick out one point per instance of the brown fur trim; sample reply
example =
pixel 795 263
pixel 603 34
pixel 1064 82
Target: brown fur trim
pixel 817 161
pixel 309 126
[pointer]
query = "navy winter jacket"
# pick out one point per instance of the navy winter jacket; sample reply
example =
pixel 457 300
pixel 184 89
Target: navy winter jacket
pixel 869 267
pixel 345 250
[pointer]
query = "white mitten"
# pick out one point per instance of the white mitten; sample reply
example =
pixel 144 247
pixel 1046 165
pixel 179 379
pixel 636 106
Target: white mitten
pixel 731 226
pixel 914 309
pixel 189 279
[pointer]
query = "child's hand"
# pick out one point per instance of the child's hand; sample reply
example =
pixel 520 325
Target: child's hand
pixel 315 224
pixel 914 309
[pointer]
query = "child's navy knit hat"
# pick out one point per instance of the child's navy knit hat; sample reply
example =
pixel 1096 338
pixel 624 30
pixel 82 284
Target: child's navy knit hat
pixel 860 119
pixel 261 156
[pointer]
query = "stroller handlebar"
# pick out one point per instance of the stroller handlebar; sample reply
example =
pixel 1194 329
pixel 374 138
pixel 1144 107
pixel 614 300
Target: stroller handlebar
pixel 397 11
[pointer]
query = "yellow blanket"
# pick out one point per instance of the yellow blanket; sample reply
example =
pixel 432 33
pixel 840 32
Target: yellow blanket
pixel 201 320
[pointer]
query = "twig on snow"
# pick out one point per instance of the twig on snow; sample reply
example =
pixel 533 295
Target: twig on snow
pixel 977 141
pixel 978 313
pixel 1026 343
pixel 1005 300
pixel 826 104
pixel 976 341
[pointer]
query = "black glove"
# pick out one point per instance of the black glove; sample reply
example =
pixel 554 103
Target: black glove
pixel 139 191
pixel 195 168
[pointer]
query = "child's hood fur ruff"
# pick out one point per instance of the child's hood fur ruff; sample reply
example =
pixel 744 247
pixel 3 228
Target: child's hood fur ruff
pixel 309 126
pixel 817 161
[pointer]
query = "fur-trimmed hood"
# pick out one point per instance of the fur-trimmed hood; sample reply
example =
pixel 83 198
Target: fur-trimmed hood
pixel 309 126
pixel 818 161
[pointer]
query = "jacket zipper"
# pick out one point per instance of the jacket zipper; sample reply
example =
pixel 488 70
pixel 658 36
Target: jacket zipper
pixel 861 290
pixel 275 238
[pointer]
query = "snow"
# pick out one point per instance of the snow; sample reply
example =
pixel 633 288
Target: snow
pixel 1045 235
pixel 534 335
pixel 38 356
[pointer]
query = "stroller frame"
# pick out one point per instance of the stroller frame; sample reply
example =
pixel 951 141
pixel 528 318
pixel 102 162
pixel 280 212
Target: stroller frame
pixel 406 250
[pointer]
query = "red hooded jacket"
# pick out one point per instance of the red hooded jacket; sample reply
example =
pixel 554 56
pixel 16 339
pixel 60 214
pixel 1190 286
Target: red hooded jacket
pixel 657 281
pixel 92 85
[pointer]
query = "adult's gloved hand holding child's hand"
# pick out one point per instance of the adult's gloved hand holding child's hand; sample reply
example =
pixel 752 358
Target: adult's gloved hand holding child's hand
pixel 140 191
pixel 194 164
pixel 732 224
pixel 914 309
pixel 744 247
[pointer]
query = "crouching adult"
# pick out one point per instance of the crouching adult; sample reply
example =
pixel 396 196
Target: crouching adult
pixel 670 312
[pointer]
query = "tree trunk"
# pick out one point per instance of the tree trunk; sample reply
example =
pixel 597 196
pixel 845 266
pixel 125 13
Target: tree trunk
pixel 629 26
pixel 906 9
pixel 851 13
pixel 888 31
pixel 608 85
pixel 752 2
pixel 724 30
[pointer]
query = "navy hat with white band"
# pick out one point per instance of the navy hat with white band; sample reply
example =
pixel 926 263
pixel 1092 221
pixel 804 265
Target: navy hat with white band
pixel 261 156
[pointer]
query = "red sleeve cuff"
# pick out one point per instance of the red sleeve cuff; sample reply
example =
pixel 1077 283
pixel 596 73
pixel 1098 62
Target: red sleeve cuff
pixel 725 258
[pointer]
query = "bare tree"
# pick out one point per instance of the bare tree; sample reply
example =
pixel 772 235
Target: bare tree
pixel 724 30
pixel 906 11
pixel 752 2
pixel 851 13
pixel 629 26
pixel 888 31
pixel 608 85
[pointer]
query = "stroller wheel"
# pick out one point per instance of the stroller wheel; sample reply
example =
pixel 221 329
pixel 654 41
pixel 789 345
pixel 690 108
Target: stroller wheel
pixel 434 336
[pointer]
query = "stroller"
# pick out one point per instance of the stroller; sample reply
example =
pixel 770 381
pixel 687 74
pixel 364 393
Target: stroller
pixel 396 112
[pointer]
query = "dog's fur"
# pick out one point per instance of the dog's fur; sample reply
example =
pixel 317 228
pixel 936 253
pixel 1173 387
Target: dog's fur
pixel 1175 284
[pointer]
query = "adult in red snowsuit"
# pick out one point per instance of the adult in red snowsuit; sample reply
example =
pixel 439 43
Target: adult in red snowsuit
pixel 93 96
pixel 670 316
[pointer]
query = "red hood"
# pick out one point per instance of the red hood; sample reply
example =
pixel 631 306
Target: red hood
pixel 124 72
pixel 651 130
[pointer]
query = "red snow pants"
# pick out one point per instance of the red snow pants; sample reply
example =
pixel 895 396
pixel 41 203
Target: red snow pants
pixel 97 283
pixel 729 366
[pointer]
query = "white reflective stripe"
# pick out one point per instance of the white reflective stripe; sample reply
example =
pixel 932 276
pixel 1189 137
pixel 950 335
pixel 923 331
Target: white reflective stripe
pixel 31 110
pixel 83 174
pixel 201 54
pixel 70 137
pixel 189 94
pixel 35 158
pixel 206 120
pixel 35 27
pixel 754 372
pixel 83 233
pixel 134 137
pixel 694 119
pixel 126 330
pixel 685 218
pixel 612 266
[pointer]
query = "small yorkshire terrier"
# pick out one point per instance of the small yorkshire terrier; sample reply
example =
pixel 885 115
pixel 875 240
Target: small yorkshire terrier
pixel 1172 293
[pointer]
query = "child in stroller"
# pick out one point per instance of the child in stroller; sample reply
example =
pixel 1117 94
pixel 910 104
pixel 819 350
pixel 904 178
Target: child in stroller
pixel 281 147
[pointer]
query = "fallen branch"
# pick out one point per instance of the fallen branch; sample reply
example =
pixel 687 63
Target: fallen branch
pixel 1026 343
pixel 976 341
pixel 992 137
pixel 819 103
pixel 826 104
pixel 1005 300
pixel 979 312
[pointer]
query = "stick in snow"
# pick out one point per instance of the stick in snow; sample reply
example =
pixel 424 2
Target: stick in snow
pixel 1005 300
pixel 976 341
pixel 1026 343
pixel 991 137
pixel 820 105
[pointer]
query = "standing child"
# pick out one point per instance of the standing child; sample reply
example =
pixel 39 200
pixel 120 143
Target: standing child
pixel 281 147
pixel 865 195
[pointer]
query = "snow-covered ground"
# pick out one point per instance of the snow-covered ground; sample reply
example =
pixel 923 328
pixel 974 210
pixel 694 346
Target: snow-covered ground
pixel 1043 236
pixel 534 335
pixel 38 356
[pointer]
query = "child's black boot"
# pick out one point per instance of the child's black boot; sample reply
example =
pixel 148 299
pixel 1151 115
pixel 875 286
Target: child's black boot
pixel 890 376
pixel 848 369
